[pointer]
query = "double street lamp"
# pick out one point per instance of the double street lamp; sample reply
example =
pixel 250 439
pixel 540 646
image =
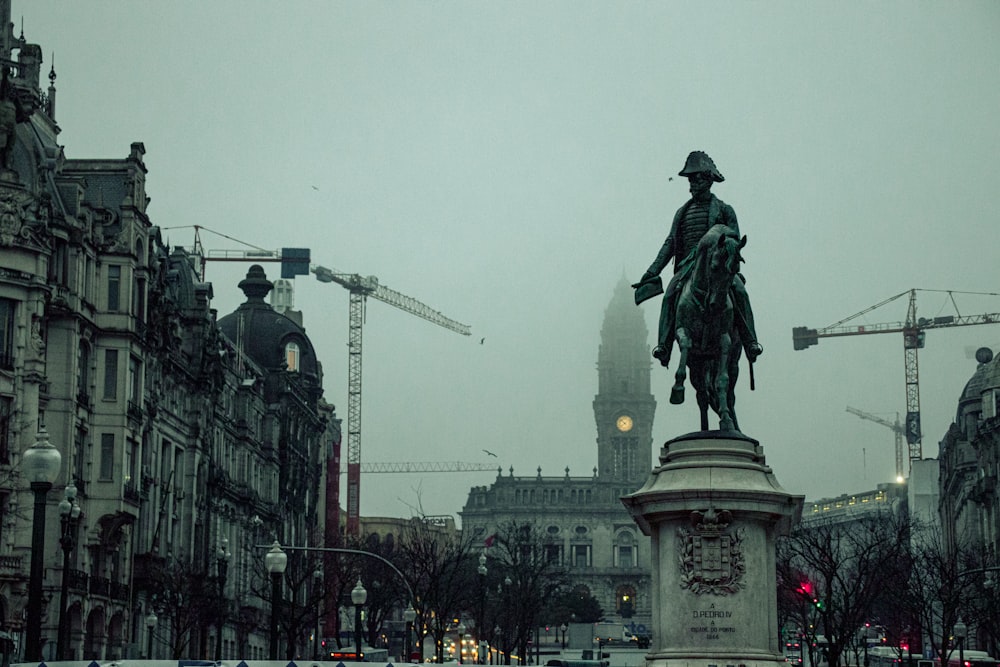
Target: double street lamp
pixel 69 518
pixel 276 560
pixel 960 630
pixel 151 620
pixel 358 596
pixel 41 464
pixel 222 561
pixel 409 615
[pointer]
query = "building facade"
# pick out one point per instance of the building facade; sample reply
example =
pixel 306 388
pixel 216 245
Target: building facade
pixel 968 460
pixel 187 442
pixel 588 529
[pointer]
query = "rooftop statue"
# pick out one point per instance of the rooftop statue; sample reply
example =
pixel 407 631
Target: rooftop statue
pixel 705 307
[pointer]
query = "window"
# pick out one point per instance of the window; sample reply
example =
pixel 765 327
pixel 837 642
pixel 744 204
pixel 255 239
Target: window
pixel 581 555
pixel 292 356
pixel 7 333
pixel 114 287
pixel 111 374
pixel 625 550
pixel 134 377
pixel 6 417
pixel 107 456
pixel 83 371
pixel 553 553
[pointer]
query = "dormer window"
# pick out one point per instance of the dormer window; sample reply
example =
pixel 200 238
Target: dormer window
pixel 292 356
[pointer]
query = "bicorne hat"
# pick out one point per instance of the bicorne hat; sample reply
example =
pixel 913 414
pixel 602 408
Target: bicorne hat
pixel 697 162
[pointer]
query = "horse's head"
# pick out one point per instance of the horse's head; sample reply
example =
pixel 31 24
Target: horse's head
pixel 721 248
pixel 728 254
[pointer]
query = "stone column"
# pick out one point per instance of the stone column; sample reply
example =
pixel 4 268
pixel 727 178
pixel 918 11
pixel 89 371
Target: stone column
pixel 713 510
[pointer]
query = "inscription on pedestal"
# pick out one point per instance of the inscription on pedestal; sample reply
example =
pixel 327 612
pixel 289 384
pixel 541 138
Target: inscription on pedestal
pixel 711 624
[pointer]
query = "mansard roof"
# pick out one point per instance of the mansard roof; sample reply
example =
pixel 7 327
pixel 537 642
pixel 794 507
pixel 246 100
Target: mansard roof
pixel 262 333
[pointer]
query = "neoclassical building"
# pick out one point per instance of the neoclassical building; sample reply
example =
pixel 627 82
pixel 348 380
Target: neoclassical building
pixel 188 442
pixel 970 464
pixel 587 527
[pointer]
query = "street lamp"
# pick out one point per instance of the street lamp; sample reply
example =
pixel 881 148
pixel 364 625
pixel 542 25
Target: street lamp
pixel 69 518
pixel 409 615
pixel 562 628
pixel 318 592
pixel 41 464
pixel 482 605
pixel 461 634
pixel 358 597
pixel 959 631
pixel 222 560
pixel 151 620
pixel 275 562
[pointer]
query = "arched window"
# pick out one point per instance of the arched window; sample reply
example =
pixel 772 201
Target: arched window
pixel 292 356
pixel 625 550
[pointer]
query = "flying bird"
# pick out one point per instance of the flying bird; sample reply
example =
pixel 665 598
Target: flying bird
pixel 482 340
pixel 490 453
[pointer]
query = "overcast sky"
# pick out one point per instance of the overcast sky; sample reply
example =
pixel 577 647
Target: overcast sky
pixel 507 163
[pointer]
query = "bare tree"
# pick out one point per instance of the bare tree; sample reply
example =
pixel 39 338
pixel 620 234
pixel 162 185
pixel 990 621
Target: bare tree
pixel 845 568
pixel 938 590
pixel 441 571
pixel 532 576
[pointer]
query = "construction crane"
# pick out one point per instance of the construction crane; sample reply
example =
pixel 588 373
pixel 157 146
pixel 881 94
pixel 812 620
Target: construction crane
pixel 914 330
pixel 296 261
pixel 428 466
pixel 897 428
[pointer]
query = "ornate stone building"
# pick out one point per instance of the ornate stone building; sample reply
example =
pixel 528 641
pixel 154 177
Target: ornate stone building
pixel 970 464
pixel 188 443
pixel 588 528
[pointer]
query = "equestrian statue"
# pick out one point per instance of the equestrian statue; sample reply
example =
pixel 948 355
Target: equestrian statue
pixel 705 307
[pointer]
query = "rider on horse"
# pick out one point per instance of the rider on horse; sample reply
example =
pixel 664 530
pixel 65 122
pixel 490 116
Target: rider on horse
pixel 692 220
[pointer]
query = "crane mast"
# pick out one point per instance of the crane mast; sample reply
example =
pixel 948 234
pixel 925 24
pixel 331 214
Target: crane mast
pixel 896 427
pixel 914 331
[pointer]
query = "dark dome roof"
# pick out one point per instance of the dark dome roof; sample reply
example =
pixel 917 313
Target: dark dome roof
pixel 987 376
pixel 263 333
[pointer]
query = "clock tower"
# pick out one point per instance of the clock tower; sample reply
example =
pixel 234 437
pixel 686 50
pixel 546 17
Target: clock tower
pixel 624 405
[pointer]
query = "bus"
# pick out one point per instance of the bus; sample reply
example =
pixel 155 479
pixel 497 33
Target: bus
pixel 888 656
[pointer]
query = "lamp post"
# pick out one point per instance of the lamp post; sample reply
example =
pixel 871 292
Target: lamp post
pixel 358 597
pixel 409 615
pixel 562 645
pixel 460 631
pixel 69 518
pixel 151 620
pixel 482 604
pixel 275 562
pixel 41 464
pixel 959 631
pixel 318 592
pixel 222 561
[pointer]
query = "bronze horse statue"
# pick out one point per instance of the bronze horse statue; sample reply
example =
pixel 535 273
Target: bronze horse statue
pixel 704 327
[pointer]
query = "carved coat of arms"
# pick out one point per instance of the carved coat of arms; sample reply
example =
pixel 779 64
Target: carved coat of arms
pixel 710 556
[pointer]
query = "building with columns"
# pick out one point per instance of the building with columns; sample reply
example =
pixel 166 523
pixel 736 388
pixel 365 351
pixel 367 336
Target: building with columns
pixel 588 529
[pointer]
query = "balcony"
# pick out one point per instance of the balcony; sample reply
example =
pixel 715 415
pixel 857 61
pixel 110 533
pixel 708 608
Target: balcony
pixel 134 411
pixel 100 586
pixel 77 580
pixel 119 591
pixel 131 493
pixel 10 566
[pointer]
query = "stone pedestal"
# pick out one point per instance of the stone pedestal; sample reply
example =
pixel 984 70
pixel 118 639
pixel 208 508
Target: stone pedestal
pixel 713 510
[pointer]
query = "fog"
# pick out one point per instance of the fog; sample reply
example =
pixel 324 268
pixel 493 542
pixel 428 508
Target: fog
pixel 508 163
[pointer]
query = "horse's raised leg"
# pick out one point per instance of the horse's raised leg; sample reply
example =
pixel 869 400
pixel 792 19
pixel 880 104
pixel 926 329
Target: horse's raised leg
pixel 684 344
pixel 703 401
pixel 722 384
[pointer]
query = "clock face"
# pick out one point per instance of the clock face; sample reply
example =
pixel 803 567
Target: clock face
pixel 624 423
